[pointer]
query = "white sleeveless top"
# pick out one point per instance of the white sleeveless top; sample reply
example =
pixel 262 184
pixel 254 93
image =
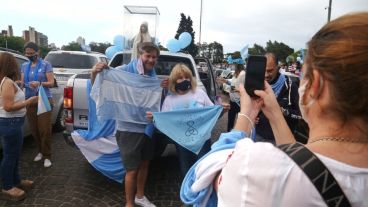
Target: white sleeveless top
pixel 19 96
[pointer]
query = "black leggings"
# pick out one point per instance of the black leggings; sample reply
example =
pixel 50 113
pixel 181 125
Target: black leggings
pixel 234 110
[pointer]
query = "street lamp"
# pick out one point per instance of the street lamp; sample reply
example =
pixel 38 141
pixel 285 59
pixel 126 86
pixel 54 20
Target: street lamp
pixel 200 29
pixel 329 11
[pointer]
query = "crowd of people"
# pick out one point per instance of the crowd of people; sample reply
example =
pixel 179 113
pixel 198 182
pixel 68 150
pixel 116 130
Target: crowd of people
pixel 331 98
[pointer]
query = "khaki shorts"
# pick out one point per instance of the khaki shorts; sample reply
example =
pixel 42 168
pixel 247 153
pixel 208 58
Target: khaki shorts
pixel 134 148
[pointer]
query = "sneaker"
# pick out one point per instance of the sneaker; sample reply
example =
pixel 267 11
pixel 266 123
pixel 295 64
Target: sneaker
pixel 38 157
pixel 47 163
pixel 144 202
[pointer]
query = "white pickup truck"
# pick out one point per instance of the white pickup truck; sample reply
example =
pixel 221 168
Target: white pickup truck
pixel 76 97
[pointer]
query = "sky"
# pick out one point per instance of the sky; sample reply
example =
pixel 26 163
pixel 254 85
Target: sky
pixel 233 23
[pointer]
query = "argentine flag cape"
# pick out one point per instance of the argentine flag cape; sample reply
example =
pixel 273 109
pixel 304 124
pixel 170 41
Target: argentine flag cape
pixel 197 188
pixel 98 144
pixel 125 96
pixel 190 128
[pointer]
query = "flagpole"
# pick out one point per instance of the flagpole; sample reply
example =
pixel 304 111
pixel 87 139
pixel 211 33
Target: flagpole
pixel 329 11
pixel 200 30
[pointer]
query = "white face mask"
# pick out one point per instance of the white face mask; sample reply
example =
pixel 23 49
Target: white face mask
pixel 303 107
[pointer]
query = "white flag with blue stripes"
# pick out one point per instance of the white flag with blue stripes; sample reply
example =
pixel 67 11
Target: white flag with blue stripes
pixel 125 96
pixel 43 101
pixel 98 143
pixel 190 128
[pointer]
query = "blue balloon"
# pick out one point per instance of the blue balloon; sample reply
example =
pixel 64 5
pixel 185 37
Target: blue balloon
pixel 173 45
pixel 110 51
pixel 119 42
pixel 185 39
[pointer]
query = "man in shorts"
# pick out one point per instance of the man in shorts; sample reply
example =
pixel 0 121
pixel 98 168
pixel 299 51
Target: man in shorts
pixel 135 147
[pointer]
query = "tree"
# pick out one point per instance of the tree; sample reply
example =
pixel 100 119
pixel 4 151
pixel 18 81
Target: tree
pixel 72 46
pixel 280 49
pixel 99 46
pixel 217 52
pixel 203 52
pixel 14 43
pixel 256 50
pixel 43 51
pixel 186 25
pixel 213 51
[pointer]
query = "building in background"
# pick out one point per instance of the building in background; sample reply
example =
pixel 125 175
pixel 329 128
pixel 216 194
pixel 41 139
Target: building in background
pixel 37 37
pixel 10 31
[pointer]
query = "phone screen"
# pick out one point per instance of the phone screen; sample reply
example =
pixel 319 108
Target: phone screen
pixel 254 78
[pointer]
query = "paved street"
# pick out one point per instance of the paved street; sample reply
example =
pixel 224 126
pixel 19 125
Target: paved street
pixel 71 181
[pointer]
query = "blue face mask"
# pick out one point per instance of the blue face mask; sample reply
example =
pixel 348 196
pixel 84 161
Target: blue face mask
pixel 183 86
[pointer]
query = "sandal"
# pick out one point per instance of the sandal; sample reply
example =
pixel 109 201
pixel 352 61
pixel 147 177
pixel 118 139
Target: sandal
pixel 26 185
pixel 14 194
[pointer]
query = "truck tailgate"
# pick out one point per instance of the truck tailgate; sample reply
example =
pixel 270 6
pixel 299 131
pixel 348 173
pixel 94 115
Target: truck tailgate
pixel 80 103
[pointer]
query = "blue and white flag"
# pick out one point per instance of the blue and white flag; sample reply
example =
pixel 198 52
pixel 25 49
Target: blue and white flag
pixel 244 51
pixel 190 128
pixel 98 144
pixel 196 188
pixel 125 96
pixel 43 101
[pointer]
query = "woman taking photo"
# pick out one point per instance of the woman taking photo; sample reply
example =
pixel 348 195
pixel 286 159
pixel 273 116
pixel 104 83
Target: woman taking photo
pixel 333 101
pixel 12 113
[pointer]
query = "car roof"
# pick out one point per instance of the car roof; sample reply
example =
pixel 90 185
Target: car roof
pixel 15 54
pixel 97 54
pixel 162 52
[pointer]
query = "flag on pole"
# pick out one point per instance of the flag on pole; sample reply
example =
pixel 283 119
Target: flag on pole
pixel 43 101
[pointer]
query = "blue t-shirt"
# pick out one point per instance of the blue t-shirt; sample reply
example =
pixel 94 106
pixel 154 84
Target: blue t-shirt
pixel 43 68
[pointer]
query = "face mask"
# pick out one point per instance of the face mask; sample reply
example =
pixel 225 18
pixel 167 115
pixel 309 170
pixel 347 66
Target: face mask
pixel 183 86
pixel 32 58
pixel 303 107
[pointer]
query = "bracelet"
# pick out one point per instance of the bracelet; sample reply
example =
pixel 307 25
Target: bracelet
pixel 251 123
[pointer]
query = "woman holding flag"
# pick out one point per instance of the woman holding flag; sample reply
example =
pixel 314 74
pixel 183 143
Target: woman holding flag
pixel 38 74
pixel 184 94
pixel 12 113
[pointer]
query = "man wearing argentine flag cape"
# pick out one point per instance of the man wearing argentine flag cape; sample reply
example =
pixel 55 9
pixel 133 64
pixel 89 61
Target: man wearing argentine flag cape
pixel 127 103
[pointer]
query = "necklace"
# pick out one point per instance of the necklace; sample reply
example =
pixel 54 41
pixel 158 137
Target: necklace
pixel 338 139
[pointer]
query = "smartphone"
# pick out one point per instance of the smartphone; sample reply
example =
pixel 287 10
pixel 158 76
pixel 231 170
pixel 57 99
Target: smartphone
pixel 255 74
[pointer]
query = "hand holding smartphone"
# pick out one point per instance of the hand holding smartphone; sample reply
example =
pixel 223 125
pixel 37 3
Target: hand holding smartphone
pixel 255 74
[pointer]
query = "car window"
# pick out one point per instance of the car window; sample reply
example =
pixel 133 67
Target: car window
pixel 166 63
pixel 71 61
pixel 120 59
pixel 20 60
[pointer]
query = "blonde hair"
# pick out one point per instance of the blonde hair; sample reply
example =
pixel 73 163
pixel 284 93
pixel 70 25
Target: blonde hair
pixel 181 70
